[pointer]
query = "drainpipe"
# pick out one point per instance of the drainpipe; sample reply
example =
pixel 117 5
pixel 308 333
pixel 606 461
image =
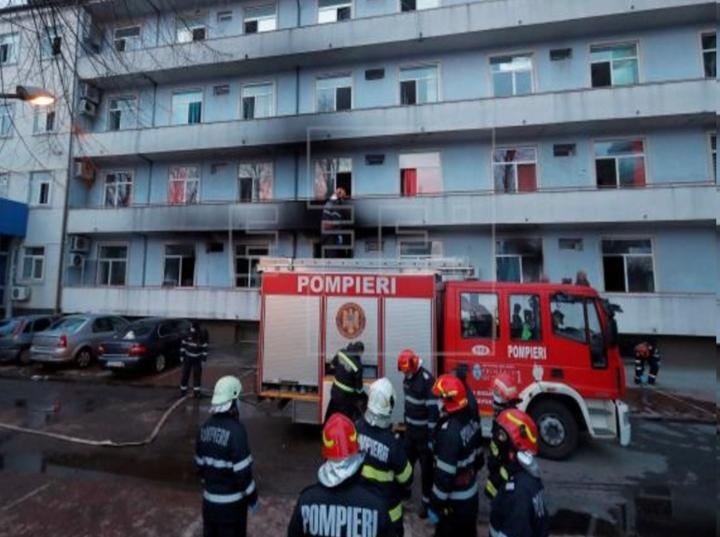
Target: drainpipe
pixel 297 2
pixel 144 263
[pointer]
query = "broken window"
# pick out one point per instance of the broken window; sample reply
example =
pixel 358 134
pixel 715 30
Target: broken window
pixel 619 163
pixel 614 65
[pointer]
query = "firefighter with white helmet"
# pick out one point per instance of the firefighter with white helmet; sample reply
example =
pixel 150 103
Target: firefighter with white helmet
pixel 224 461
pixel 504 396
pixel 386 464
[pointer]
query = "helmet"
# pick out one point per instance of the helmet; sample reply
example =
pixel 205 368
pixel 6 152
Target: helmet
pixel 227 389
pixel 520 429
pixel 408 362
pixel 340 438
pixel 643 349
pixel 357 347
pixel 452 391
pixel 504 389
pixel 381 398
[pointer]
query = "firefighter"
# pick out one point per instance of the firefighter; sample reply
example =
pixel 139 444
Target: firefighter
pixel 341 503
pixel 461 373
pixel 504 396
pixel 646 352
pixel 224 461
pixel 335 244
pixel 421 415
pixel 193 352
pixel 347 394
pixel 458 457
pixel 518 509
pixel 386 464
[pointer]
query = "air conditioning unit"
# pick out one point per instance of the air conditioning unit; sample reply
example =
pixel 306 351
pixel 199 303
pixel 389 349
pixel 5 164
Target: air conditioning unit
pixel 76 260
pixel 85 170
pixel 198 34
pixel 88 108
pixel 90 92
pixel 79 244
pixel 20 293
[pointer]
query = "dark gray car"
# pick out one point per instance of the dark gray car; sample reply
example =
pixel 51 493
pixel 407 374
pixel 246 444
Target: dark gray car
pixel 16 336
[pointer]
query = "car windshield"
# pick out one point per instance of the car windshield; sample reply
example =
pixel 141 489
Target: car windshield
pixel 69 324
pixel 135 330
pixel 8 326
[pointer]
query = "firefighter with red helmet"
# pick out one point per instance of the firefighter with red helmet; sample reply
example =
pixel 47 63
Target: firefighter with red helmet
pixel 504 396
pixel 421 415
pixel 340 503
pixel 518 509
pixel 347 394
pixel 458 457
pixel 646 352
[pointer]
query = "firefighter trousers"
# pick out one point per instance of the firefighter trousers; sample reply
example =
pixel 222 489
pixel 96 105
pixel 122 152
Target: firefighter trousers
pixel 236 526
pixel 194 365
pixel 654 364
pixel 418 450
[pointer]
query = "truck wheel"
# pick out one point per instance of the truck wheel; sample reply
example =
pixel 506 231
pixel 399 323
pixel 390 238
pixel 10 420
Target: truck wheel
pixel 84 358
pixel 557 427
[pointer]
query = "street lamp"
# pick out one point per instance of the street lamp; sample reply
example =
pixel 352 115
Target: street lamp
pixel 31 94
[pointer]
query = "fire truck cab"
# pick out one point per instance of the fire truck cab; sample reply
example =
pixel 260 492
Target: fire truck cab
pixel 558 340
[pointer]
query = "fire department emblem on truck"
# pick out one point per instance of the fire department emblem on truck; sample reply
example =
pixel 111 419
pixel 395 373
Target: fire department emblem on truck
pixel 350 320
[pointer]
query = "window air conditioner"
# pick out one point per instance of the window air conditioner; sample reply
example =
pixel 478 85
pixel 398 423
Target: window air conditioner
pixel 84 169
pixel 88 108
pixel 76 260
pixel 90 92
pixel 20 293
pixel 79 244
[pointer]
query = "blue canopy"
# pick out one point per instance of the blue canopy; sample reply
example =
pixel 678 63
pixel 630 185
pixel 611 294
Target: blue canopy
pixel 13 218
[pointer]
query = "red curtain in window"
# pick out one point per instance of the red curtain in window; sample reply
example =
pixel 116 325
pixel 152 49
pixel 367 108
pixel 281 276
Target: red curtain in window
pixel 176 192
pixel 639 168
pixel 527 181
pixel 409 182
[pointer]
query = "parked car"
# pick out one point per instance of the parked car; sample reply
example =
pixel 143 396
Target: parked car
pixel 74 338
pixel 16 336
pixel 152 342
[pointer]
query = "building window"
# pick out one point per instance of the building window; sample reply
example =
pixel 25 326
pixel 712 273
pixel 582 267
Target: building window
pixel 179 266
pixel 525 319
pixel 709 51
pixel 9 48
pixel 619 163
pixel 39 189
pixel 334 10
pixel 512 75
pixel 413 5
pixel 614 65
pixel 223 17
pixel 43 119
pixel 255 181
pixel 260 18
pixel 415 248
pixel 184 185
pixel 515 169
pixel 576 318
pixel 4 185
pixel 247 257
pixel 6 120
pixel 118 189
pixel 187 107
pixel 418 85
pixel 334 93
pixel 257 101
pixel 122 113
pixel 420 173
pixel 628 266
pixel 518 260
pixel 33 263
pixel 713 154
pixel 112 265
pixel 126 38
pixel 191 28
pixel 331 173
pixel 479 316
pixel 50 43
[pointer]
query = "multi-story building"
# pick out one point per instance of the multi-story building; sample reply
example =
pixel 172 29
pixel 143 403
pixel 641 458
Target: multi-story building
pixel 533 138
pixel 37 48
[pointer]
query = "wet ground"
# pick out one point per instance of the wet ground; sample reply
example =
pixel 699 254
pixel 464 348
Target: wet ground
pixel 664 484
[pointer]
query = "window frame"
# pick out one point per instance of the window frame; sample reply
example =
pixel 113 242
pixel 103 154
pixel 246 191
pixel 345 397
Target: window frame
pixel 331 76
pixel 345 3
pixel 112 261
pixel 701 34
pixel 256 5
pixel 273 99
pixel 137 40
pixel 181 91
pixel 33 259
pixel 247 245
pixel 400 9
pixel 496 255
pixel 628 138
pixel 46 40
pixel 538 318
pixel 15 48
pixel 532 70
pixel 9 117
pixel 36 202
pixel 638 58
pixel 415 239
pixel 255 196
pixel 313 164
pixel 127 96
pixel 131 182
pixel 712 153
pixel 535 147
pixel 649 238
pixel 497 328
pixel 423 151
pixel 185 181
pixel 176 256
pixel 438 79
pixel 43 112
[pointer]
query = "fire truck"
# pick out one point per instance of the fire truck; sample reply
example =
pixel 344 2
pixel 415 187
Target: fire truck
pixel 558 340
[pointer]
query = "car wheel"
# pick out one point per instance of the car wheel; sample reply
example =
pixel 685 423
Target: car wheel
pixel 84 358
pixel 159 363
pixel 24 357
pixel 557 428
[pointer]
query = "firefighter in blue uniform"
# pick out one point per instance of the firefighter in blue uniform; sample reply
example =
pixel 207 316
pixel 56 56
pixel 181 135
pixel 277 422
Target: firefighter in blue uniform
pixel 646 352
pixel 193 352
pixel 458 458
pixel 341 504
pixel 386 464
pixel 504 396
pixel 421 415
pixel 346 394
pixel 224 461
pixel 518 509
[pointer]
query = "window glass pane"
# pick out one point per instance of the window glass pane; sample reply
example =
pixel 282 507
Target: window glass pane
pixel 187 250
pixel 479 316
pixel 525 321
pixel 37 268
pixel 600 73
pixel 426 90
pixel 172 271
pixel 627 246
pixel 606 172
pixel 267 10
pixel 624 51
pixel 503 84
pixel 632 171
pixel 507 268
pixel 614 273
pixel 408 92
pixel 709 41
pixel 568 317
pixel 710 64
pixel 344 98
pixel 523 83
pixel 624 72
pixel 417 73
pixel 640 274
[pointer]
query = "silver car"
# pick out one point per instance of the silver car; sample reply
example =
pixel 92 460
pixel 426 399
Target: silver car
pixel 75 338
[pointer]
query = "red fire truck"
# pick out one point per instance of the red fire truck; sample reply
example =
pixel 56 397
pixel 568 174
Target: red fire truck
pixel 559 340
